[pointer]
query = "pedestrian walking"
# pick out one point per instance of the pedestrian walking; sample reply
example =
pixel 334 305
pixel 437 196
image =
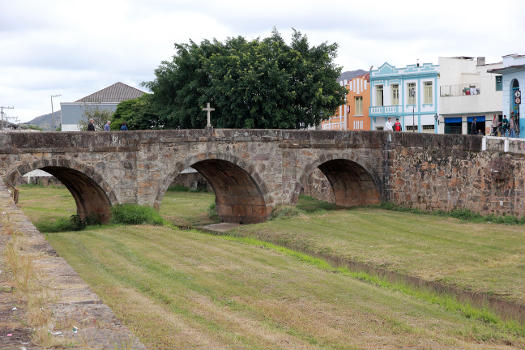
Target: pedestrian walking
pixel 106 126
pixel 388 125
pixel 91 125
pixel 505 126
pixel 397 125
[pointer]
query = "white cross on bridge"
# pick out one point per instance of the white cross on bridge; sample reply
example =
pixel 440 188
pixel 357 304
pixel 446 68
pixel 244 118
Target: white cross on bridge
pixel 209 110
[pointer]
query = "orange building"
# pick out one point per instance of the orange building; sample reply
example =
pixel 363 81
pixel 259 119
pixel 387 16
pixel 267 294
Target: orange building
pixel 354 114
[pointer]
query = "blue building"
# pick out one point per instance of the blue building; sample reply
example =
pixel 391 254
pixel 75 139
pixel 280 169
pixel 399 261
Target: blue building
pixel 409 94
pixel 511 82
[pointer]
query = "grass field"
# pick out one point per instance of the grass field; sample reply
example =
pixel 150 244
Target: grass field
pixel 477 257
pixel 185 289
pixel 187 208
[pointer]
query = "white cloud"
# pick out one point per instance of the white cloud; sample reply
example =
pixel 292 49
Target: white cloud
pixel 75 48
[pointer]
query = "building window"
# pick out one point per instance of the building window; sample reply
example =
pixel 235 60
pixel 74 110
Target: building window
pixel 395 94
pixel 411 93
pixel 428 127
pixel 359 105
pixel 379 95
pixel 412 128
pixel 427 99
pixel 499 83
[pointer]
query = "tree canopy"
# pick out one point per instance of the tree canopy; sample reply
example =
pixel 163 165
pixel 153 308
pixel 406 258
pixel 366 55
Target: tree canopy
pixel 251 84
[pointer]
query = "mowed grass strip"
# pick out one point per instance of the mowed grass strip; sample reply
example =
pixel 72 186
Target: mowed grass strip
pixel 483 257
pixel 185 289
pixel 478 257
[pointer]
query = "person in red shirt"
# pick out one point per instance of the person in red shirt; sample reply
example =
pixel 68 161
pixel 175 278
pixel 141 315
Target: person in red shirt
pixel 397 125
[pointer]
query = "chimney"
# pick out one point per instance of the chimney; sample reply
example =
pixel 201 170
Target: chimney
pixel 481 61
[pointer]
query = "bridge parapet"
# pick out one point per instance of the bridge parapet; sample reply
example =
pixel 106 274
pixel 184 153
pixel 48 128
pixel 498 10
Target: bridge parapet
pixel 252 171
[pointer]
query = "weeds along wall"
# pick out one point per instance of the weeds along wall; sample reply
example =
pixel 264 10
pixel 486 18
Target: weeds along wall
pixel 446 172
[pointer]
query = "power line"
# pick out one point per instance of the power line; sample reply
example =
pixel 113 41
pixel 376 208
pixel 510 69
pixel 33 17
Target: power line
pixel 2 114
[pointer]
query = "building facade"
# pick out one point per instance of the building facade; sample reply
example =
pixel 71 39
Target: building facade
pixel 511 80
pixel 353 115
pixel 467 90
pixel 106 99
pixel 409 94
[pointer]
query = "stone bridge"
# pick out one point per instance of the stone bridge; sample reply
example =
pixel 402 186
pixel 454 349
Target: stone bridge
pixel 253 171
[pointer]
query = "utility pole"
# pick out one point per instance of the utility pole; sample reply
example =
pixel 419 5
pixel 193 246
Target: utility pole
pixel 52 111
pixel 2 115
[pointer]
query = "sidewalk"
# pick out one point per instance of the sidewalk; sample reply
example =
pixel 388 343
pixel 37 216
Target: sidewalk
pixel 73 302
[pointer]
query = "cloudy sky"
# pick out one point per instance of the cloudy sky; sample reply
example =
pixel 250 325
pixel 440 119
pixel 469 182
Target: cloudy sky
pixel 75 48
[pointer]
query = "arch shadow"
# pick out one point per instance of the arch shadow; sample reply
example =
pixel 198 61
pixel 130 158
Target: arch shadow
pixel 93 196
pixel 240 194
pixel 352 184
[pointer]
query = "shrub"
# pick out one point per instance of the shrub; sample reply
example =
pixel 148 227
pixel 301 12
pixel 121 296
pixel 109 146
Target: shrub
pixel 212 212
pixel 63 224
pixel 134 214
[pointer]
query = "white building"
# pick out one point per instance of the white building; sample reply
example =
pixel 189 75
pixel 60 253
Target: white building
pixel 467 91
pixel 512 79
pixel 106 99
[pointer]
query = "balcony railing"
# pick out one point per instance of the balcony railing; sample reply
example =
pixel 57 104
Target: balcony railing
pixel 385 110
pixel 459 90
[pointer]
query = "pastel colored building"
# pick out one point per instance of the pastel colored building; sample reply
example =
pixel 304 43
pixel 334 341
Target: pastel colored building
pixel 511 81
pixel 353 115
pixel 468 90
pixel 409 94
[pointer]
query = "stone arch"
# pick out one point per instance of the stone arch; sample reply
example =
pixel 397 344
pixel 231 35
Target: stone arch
pixel 93 195
pixel 352 183
pixel 240 193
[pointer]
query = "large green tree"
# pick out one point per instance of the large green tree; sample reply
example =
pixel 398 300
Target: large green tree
pixel 251 84
pixel 139 114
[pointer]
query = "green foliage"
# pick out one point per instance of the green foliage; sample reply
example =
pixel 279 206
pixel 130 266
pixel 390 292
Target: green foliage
pixel 212 212
pixel 134 214
pixel 100 117
pixel 461 214
pixel 138 114
pixel 64 224
pixel 251 84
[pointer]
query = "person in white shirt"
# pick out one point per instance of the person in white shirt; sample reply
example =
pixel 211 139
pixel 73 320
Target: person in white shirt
pixel 388 125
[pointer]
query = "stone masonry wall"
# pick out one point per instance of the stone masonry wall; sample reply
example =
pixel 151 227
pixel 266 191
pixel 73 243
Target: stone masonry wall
pixel 445 172
pixel 424 171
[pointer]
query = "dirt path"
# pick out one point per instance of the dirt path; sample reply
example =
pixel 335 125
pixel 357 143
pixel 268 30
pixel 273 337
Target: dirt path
pixel 72 304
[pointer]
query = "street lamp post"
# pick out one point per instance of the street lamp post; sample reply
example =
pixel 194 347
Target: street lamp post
pixel 413 125
pixel 52 109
